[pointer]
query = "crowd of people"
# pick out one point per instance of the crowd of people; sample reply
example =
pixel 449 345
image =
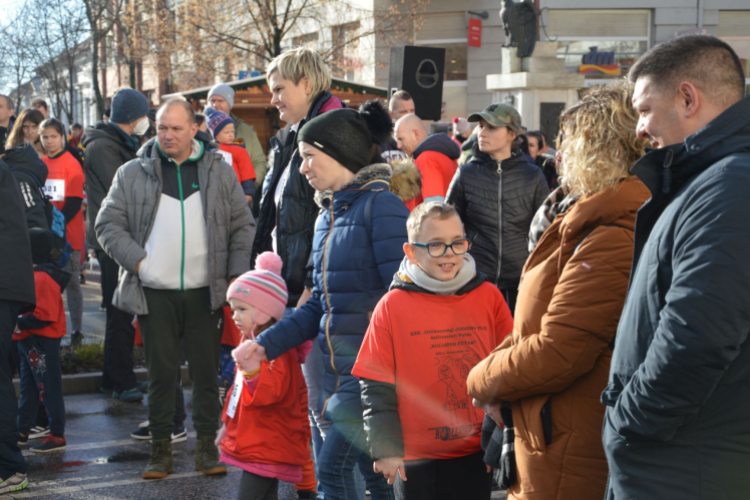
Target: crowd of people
pixel 418 316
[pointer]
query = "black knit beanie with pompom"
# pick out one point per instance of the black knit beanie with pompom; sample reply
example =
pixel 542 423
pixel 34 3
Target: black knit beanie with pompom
pixel 347 135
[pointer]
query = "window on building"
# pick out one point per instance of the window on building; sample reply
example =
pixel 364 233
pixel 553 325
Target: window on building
pixel 602 44
pixel 345 41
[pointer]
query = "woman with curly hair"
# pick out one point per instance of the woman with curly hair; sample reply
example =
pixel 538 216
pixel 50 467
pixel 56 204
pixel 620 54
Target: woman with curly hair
pixel 548 375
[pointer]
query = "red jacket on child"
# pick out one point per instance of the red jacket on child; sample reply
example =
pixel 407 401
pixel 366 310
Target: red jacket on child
pixel 241 162
pixel 50 281
pixel 270 425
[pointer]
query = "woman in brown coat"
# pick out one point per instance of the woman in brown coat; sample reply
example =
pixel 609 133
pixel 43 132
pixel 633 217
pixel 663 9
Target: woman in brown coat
pixel 554 366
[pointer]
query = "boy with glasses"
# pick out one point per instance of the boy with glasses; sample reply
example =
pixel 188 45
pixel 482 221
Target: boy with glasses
pixel 439 319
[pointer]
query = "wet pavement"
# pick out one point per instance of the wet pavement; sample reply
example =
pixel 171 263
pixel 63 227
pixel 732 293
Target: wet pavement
pixel 102 461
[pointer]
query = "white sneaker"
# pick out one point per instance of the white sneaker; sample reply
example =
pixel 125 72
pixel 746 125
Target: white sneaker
pixel 16 482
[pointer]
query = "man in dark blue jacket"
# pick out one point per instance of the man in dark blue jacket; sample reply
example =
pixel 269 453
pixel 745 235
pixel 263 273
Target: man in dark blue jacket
pixel 678 418
pixel 16 294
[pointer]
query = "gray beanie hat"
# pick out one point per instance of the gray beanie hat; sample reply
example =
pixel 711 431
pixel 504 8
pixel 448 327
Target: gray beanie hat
pixel 223 90
pixel 128 105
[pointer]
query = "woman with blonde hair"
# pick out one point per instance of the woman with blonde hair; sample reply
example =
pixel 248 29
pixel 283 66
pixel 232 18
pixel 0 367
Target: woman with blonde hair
pixel 26 129
pixel 549 374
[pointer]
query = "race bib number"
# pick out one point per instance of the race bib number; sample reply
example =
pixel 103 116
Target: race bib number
pixel 55 189
pixel 227 156
pixel 236 392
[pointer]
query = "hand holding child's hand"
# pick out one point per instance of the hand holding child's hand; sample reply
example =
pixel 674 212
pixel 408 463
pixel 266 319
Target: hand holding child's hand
pixel 248 355
pixel 222 434
pixel 389 467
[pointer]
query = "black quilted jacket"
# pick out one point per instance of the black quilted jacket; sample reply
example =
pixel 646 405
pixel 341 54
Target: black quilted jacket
pixel 297 211
pixel 496 204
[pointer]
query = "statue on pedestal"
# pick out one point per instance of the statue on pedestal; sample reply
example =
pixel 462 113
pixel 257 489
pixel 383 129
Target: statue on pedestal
pixel 519 21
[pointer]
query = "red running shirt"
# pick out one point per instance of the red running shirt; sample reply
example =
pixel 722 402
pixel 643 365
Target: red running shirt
pixel 426 345
pixel 65 180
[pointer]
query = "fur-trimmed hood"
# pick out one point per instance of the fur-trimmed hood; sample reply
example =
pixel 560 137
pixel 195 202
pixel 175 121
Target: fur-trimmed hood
pixel 403 180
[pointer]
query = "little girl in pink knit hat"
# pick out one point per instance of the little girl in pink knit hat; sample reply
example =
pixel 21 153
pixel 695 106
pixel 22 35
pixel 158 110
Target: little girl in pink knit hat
pixel 266 430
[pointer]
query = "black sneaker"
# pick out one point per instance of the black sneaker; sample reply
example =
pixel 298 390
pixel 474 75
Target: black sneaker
pixel 76 340
pixel 39 432
pixel 142 433
pixel 23 439
pixel 179 434
pixel 49 444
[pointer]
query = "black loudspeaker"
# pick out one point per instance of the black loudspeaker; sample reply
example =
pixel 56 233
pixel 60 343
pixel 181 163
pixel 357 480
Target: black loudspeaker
pixel 419 71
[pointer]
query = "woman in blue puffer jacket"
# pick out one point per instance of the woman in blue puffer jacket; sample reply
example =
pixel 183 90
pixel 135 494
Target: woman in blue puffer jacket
pixel 357 248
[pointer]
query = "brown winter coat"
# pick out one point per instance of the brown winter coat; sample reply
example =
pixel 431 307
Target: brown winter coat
pixel 569 303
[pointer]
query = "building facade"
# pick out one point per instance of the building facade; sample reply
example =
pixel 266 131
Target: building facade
pixel 599 39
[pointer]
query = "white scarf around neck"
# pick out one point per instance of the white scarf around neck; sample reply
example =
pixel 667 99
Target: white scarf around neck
pixel 422 280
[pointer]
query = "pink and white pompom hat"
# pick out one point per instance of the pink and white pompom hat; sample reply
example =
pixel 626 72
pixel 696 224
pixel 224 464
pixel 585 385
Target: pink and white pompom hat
pixel 262 288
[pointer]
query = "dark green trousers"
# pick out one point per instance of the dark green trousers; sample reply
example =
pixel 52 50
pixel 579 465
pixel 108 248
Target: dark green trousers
pixel 175 316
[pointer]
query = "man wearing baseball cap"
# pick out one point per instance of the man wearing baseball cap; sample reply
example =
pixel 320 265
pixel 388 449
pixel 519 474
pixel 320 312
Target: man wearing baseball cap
pixel 221 98
pixel 108 145
pixel 497 194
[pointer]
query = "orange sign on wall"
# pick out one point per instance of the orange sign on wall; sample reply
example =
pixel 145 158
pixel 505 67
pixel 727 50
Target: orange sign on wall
pixel 475 32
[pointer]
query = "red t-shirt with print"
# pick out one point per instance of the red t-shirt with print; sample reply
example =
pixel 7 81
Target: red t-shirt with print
pixel 65 180
pixel 426 345
pixel 49 307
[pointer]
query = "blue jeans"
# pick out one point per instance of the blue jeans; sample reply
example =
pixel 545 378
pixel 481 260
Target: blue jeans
pixel 345 447
pixel 41 381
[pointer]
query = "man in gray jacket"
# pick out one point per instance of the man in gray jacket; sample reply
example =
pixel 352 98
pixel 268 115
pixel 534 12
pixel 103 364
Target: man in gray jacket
pixel 678 401
pixel 177 223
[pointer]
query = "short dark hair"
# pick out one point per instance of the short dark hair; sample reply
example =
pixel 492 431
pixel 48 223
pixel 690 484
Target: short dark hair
pixel 538 135
pixel 399 95
pixel 76 126
pixel 543 136
pixel 8 102
pixel 180 102
pixel 39 103
pixel 53 123
pixel 200 119
pixel 704 60
pixel 522 142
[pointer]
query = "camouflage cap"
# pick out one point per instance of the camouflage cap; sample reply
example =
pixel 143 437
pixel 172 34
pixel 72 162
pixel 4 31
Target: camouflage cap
pixel 499 115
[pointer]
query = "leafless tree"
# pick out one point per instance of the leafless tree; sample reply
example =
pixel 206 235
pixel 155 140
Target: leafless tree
pixel 18 64
pixel 101 15
pixel 60 31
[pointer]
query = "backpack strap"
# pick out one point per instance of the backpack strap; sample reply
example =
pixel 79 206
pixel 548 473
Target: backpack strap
pixel 368 216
